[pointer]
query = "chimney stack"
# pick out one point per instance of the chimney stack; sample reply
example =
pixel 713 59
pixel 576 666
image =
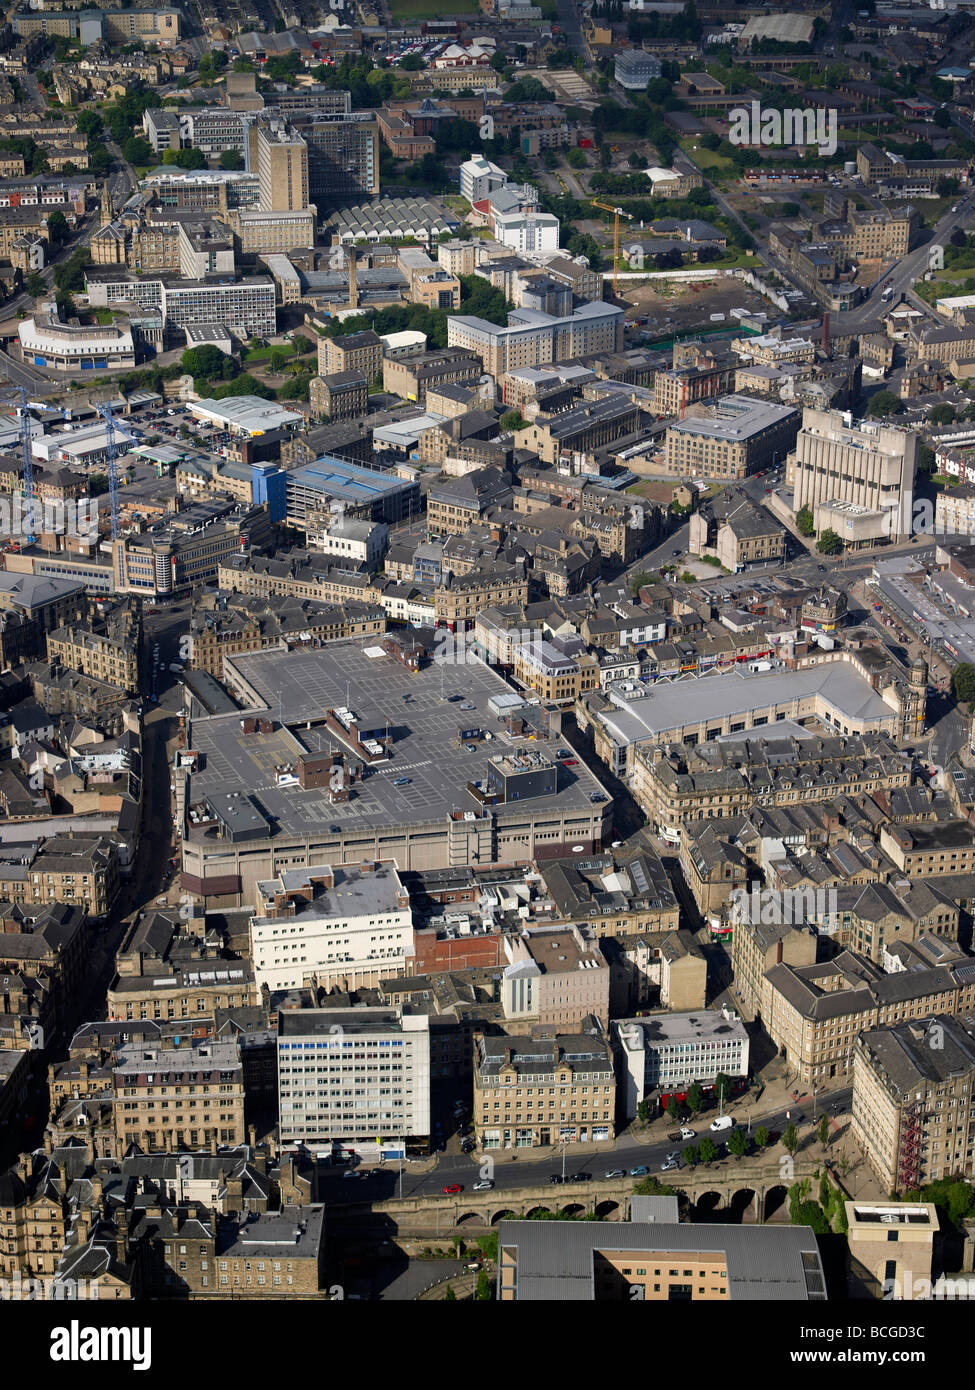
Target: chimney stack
pixel 353 281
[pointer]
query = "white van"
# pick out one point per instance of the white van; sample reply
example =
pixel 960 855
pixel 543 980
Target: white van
pixel 723 1122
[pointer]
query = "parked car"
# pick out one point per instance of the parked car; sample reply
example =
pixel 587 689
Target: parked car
pixel 401 782
pixel 581 1177
pixel 640 1171
pixel 722 1122
pixel 452 1188
pixel 484 1186
pixel 570 762
pixel 686 1133
pixel 675 1134
pixel 615 1173
pixel 355 1173
pixel 555 1178
pixel 669 1165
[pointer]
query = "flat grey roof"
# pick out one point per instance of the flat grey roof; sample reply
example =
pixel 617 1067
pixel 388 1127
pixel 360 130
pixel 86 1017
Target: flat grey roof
pixel 736 417
pixel 302 685
pixel 766 1263
pixel 679 704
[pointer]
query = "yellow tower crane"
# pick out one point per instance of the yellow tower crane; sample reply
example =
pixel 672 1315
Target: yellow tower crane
pixel 617 214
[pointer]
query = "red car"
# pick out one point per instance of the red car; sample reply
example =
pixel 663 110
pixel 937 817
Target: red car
pixel 570 762
pixel 452 1189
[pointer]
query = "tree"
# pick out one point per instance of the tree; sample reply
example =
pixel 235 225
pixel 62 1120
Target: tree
pixel 211 63
pixel 69 275
pixel 723 1087
pixel 230 159
pixel 708 1149
pixel 942 415
pixel 450 1296
pixel 804 522
pixel 412 62
pixel 279 358
pixel 829 543
pixel 692 1155
pixel 811 1214
pixel 207 362
pixel 99 161
pixel 963 682
pixel 296 389
pixel 884 403
pixel 480 299
pixel 57 228
pixel 484 1290
pixel 243 385
pixel 97 484
pixel 822 1130
pixel 673 1108
pixel 512 420
pixel 136 150
pixel 576 159
pixel 738 1143
pixel 89 123
pixel 695 1099
pixel 762 1137
pixel 643 1112
pixel 639 579
pixel 35 284
pixel 790 1138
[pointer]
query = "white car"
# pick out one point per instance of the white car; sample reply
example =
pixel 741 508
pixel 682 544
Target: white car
pixel 484 1186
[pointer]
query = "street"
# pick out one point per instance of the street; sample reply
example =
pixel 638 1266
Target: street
pixel 532 1167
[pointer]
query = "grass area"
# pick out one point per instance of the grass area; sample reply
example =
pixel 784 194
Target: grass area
pixel 929 210
pixel 944 288
pixel 429 9
pixel 257 355
pixel 710 161
pixel 731 261
pixel 103 316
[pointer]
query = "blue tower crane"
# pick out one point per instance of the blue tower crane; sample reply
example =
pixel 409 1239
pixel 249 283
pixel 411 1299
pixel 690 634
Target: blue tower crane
pixel 112 426
pixel 23 406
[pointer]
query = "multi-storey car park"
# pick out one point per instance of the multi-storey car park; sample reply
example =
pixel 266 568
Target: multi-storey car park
pixel 345 754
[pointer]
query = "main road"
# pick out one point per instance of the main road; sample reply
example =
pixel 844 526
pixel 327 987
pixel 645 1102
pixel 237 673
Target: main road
pixel 571 27
pixel 532 1167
